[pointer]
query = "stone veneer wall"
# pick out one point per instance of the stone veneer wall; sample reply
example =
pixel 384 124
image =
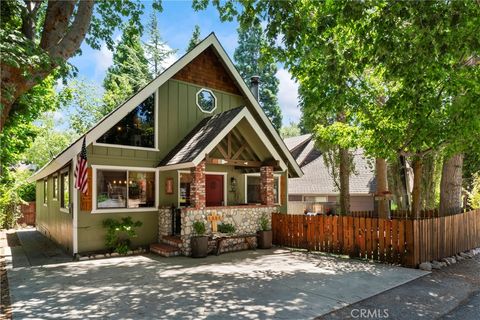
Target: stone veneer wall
pixel 246 220
pixel 164 222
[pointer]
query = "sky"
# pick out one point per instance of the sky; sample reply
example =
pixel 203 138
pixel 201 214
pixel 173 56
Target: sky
pixel 176 24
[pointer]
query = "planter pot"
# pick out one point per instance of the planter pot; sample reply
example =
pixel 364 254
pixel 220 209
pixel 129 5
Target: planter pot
pixel 199 246
pixel 264 239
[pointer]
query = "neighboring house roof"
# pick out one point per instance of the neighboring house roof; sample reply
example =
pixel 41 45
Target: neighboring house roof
pixel 112 118
pixel 292 142
pixel 317 179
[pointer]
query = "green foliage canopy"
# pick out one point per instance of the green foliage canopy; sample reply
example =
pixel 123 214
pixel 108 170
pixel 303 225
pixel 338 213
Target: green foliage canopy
pixel 251 61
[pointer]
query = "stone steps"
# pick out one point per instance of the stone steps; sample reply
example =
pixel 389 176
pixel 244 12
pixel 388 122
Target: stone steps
pixel 165 250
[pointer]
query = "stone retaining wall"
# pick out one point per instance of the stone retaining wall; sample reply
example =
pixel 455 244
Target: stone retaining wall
pixel 246 220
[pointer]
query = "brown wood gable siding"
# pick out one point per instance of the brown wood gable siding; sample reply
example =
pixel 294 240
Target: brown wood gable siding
pixel 207 70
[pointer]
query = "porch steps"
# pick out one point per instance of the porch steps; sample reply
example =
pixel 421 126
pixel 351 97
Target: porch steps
pixel 174 241
pixel 165 250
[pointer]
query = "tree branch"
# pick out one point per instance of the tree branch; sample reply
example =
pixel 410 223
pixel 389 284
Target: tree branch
pixel 56 23
pixel 76 34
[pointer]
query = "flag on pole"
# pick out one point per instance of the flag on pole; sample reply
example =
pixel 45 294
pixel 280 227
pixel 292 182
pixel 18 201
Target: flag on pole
pixel 81 175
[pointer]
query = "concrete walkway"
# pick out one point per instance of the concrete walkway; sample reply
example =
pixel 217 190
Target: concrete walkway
pixel 36 250
pixel 262 284
pixel 450 293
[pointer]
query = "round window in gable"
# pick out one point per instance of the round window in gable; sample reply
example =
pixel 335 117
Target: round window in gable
pixel 206 100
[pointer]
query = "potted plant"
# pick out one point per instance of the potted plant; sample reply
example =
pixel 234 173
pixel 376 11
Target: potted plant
pixel 199 241
pixel 264 235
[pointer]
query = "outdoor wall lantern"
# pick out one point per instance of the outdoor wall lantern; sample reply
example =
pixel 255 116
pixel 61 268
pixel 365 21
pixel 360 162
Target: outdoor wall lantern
pixel 233 184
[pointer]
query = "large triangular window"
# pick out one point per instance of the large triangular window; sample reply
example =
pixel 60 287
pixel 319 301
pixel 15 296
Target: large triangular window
pixel 136 129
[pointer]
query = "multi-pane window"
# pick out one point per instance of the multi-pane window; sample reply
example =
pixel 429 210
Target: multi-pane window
pixel 45 191
pixel 125 189
pixel 64 190
pixel 55 187
pixel 136 129
pixel 254 191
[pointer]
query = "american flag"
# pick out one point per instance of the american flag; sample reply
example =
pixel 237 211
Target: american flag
pixel 81 175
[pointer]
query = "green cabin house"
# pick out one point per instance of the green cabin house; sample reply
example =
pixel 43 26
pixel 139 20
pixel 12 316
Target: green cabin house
pixel 191 145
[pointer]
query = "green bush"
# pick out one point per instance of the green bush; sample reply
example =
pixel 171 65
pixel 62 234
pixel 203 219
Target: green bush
pixel 199 228
pixel 226 228
pixel 119 233
pixel 27 192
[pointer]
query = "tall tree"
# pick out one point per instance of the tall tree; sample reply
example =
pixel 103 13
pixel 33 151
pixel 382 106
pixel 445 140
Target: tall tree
pixel 85 106
pixel 451 185
pixel 419 56
pixel 129 71
pixel 250 61
pixel 38 37
pixel 156 49
pixel 292 130
pixel 195 39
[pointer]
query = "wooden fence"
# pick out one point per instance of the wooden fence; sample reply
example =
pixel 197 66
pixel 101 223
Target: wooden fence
pixel 404 241
pixel 28 214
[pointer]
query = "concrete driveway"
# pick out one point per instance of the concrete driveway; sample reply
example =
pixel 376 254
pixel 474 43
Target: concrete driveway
pixel 262 284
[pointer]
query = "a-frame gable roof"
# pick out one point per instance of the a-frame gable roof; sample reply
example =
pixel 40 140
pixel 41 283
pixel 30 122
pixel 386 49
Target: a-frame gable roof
pixel 119 113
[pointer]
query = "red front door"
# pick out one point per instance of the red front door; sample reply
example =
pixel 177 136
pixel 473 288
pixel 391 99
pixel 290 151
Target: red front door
pixel 214 190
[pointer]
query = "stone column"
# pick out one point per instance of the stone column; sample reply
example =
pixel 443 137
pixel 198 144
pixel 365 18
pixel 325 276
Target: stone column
pixel 197 187
pixel 266 185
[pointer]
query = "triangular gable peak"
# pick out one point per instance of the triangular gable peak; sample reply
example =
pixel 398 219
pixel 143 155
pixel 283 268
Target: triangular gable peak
pixel 207 70
pixel 225 75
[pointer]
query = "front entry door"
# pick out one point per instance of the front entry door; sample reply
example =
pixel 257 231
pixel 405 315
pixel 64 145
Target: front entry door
pixel 214 190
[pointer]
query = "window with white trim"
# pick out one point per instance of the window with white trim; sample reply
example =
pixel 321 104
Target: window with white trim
pixel 136 129
pixel 64 190
pixel 45 191
pixel 55 187
pixel 206 101
pixel 125 189
pixel 253 190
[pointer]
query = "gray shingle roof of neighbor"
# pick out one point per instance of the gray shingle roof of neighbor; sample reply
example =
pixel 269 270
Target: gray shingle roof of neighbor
pixel 198 139
pixel 316 179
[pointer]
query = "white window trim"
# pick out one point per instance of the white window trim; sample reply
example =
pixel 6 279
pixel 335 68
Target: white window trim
pixel 155 148
pixel 275 175
pixel 225 188
pixel 45 192
pixel 214 100
pixel 55 196
pixel 67 209
pixel 95 210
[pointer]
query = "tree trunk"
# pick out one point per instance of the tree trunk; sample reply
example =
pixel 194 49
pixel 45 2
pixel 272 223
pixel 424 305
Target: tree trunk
pixel 428 182
pixel 382 186
pixel 59 40
pixel 451 185
pixel 344 174
pixel 396 184
pixel 417 188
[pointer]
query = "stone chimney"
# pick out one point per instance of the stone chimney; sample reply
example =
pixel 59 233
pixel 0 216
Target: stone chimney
pixel 254 81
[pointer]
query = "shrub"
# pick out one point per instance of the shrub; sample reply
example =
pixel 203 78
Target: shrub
pixel 119 233
pixel 199 228
pixel 226 228
pixel 264 222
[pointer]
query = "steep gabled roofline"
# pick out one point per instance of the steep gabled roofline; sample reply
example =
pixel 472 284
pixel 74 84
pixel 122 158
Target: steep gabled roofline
pixel 116 115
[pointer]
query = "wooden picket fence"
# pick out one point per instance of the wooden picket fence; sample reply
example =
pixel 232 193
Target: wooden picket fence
pixel 28 214
pixel 401 241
